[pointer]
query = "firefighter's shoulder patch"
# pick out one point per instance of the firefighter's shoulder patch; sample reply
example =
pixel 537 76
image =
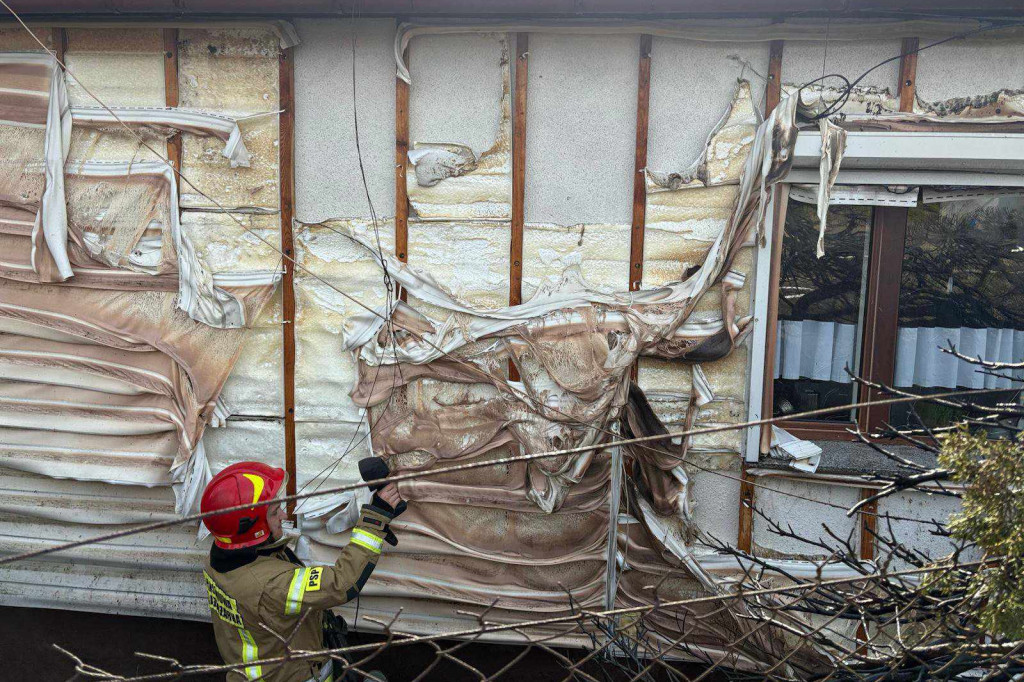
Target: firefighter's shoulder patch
pixel 313 581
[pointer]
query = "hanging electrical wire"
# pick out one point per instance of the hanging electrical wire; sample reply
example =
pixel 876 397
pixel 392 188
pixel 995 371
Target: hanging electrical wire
pixel 389 288
pixel 849 86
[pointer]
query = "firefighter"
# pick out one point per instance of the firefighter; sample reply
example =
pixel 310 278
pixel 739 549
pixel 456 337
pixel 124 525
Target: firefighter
pixel 253 577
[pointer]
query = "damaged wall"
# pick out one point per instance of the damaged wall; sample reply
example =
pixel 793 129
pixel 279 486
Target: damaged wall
pixel 125 348
pixel 969 68
pixel 236 71
pixel 680 227
pixel 467 539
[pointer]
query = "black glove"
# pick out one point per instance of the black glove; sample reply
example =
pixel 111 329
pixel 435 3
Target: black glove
pixel 380 504
pixel 375 469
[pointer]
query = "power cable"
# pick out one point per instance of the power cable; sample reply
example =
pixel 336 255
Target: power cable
pixel 850 85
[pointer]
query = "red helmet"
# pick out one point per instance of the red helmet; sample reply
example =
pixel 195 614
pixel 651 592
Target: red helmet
pixel 242 483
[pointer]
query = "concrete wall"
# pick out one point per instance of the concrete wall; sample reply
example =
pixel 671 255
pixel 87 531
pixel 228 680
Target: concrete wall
pixel 969 67
pixel 691 84
pixel 581 115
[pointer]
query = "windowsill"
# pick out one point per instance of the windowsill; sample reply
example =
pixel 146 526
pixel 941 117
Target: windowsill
pixel 844 458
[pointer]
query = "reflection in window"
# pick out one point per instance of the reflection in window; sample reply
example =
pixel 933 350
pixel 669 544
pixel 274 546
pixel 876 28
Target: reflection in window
pixel 821 305
pixel 962 283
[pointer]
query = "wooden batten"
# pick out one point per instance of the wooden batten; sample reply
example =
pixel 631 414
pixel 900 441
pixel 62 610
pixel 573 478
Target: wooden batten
pixel 522 61
pixel 643 107
pixel 170 41
pixel 286 160
pixel 907 87
pixel 401 160
pixel 868 524
pixel 59 43
pixel 635 276
pixel 515 253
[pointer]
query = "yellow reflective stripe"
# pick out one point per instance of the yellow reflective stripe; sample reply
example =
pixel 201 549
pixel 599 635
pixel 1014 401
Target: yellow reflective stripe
pixel 250 652
pixel 296 591
pixel 367 540
pixel 257 486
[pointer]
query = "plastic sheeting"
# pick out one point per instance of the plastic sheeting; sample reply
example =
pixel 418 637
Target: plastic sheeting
pixel 432 374
pixel 115 337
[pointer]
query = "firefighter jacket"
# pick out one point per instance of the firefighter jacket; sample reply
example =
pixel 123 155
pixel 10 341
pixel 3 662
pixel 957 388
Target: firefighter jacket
pixel 269 585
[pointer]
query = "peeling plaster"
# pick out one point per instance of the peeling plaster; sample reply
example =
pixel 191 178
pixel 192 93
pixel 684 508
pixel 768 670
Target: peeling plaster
pixel 434 162
pixel 447 181
pixel 720 160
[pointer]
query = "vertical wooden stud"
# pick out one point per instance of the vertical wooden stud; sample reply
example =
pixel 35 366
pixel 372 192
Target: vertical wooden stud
pixel 772 96
pixel 170 40
pixel 286 161
pixel 401 159
pixel 515 254
pixel 59 42
pixel 639 224
pixel 907 87
pixel 868 524
pixel 515 291
pixel 745 532
pixel 773 88
pixel 643 105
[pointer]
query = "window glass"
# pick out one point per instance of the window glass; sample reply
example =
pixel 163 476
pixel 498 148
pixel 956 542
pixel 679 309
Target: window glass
pixel 821 308
pixel 962 284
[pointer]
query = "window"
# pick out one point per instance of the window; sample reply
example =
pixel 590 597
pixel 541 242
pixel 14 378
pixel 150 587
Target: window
pixel 821 310
pixel 896 284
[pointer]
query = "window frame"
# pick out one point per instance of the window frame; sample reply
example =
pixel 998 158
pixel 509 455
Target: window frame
pixel 878 159
pixel 878 342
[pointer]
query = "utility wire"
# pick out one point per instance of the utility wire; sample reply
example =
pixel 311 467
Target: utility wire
pixel 396 478
pixel 850 85
pixel 799 591
pixel 389 289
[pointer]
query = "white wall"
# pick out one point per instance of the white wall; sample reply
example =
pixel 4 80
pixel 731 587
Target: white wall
pixel 803 61
pixel 581 128
pixel 789 502
pixel 969 67
pixel 327 179
pixel 456 90
pixel 691 85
